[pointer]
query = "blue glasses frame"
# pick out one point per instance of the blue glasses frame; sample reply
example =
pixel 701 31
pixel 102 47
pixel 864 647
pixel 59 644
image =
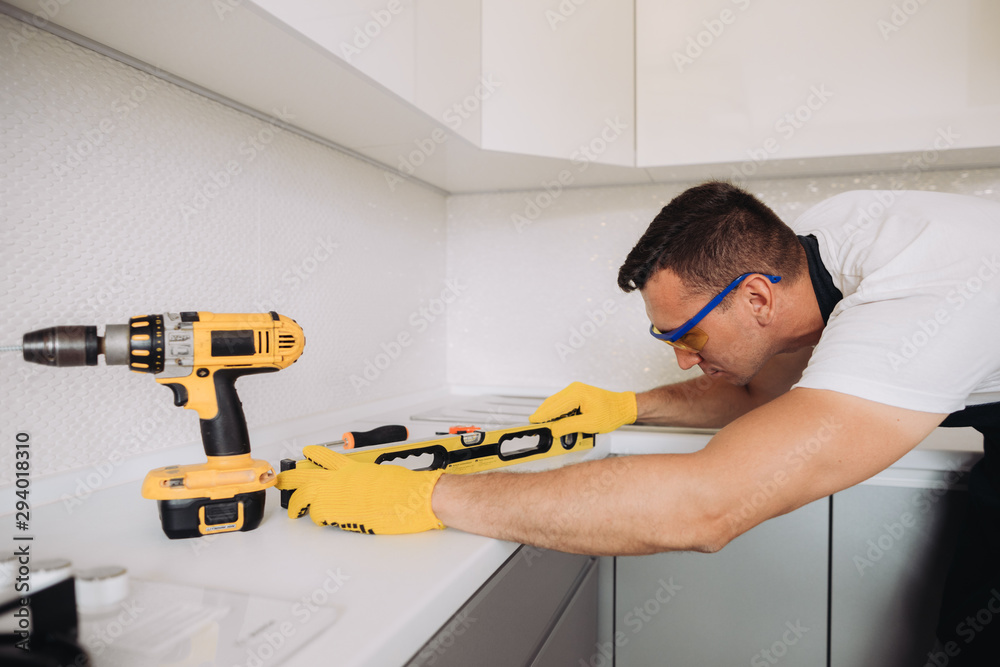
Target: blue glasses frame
pixel 672 337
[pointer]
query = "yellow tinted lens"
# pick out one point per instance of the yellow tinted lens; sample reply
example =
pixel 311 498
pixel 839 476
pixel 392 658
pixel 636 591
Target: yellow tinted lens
pixel 692 341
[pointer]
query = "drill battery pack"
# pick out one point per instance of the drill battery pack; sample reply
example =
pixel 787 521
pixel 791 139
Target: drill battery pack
pixel 225 494
pixel 194 517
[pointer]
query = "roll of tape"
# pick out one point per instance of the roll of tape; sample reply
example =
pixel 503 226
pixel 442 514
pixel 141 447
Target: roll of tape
pixel 101 586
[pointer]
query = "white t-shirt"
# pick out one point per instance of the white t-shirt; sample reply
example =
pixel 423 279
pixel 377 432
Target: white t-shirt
pixel 919 324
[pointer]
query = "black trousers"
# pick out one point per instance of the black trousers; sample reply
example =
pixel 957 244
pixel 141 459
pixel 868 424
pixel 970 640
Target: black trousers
pixel 969 622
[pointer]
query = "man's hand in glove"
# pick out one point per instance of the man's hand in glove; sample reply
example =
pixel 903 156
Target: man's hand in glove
pixel 600 411
pixel 360 497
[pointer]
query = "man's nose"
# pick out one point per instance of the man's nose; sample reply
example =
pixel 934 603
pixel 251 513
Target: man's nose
pixel 686 359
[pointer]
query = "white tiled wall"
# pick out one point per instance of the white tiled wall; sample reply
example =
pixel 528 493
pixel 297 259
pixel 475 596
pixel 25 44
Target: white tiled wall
pixel 542 306
pixel 122 195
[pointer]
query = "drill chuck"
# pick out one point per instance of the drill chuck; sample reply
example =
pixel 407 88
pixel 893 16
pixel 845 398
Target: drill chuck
pixel 62 346
pixel 76 346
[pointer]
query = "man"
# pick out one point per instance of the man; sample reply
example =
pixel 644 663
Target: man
pixel 860 329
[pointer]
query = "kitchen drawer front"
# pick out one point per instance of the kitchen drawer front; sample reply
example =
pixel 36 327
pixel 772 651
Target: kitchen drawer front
pixel 761 600
pixel 509 618
pixel 892 547
pixel 573 640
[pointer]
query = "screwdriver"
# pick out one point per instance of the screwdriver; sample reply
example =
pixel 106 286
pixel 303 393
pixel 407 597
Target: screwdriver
pixel 381 435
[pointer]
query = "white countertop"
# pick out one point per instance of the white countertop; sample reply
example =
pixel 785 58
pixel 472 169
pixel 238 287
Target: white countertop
pixel 390 593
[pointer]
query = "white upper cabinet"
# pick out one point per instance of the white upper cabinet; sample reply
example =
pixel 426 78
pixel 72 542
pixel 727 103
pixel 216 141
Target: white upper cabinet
pixel 747 81
pixel 426 53
pixel 474 95
pixel 566 69
pixel 546 79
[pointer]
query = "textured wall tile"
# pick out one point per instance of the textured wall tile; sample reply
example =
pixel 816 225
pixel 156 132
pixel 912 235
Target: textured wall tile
pixel 543 307
pixel 121 195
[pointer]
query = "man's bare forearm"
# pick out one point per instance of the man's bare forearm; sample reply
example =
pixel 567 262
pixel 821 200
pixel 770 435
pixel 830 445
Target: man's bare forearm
pixel 616 506
pixel 705 402
pixel 700 403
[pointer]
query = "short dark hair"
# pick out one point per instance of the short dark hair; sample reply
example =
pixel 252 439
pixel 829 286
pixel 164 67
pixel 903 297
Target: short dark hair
pixel 710 234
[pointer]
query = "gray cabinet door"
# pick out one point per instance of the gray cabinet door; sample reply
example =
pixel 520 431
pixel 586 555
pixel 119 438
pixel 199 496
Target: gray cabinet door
pixel 573 640
pixel 760 601
pixel 509 620
pixel 891 550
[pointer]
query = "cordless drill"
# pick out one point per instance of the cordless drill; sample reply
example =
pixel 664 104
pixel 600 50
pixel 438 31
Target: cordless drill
pixel 199 356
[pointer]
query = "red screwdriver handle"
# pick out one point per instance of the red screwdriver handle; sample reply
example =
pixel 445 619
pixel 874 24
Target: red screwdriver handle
pixel 377 436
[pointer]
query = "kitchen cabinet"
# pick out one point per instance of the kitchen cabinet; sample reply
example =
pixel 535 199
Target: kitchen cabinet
pixel 737 81
pixel 572 639
pixel 567 77
pixel 539 609
pixel 891 550
pixel 761 599
pixel 494 95
pixel 507 75
pixel 420 90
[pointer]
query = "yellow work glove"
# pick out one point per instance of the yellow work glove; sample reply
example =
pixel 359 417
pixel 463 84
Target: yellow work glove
pixel 600 411
pixel 360 497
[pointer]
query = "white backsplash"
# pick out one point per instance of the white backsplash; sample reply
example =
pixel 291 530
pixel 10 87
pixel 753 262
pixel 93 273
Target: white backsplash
pixel 121 195
pixel 543 307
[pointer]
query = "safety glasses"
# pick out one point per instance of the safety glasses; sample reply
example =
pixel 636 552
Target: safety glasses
pixel 689 337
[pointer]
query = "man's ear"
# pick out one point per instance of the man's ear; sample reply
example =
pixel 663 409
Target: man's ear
pixel 760 295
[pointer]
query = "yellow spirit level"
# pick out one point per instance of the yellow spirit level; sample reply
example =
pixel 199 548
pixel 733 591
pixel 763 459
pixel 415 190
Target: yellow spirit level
pixel 472 450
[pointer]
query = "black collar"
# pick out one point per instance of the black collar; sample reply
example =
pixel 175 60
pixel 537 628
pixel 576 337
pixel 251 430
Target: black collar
pixel 827 294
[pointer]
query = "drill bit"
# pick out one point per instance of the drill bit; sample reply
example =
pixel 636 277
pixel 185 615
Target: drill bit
pixel 11 348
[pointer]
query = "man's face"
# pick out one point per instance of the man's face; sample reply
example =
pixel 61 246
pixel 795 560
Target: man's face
pixel 737 347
